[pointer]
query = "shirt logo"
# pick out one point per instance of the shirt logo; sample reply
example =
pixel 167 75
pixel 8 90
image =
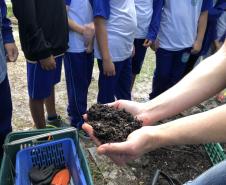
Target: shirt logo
pixel 194 2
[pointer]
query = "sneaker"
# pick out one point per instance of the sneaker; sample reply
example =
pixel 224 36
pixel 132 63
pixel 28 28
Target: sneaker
pixel 56 123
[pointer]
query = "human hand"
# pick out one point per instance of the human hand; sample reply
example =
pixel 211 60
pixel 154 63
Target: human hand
pixel 155 45
pixel 108 68
pixel 134 108
pixel 147 43
pixel 218 44
pixel 48 63
pixel 138 143
pixel 89 31
pixel 11 52
pixel 197 46
pixel 134 51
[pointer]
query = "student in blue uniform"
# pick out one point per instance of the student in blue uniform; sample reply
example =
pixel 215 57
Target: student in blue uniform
pixel 214 36
pixel 8 47
pixel 181 32
pixel 115 24
pixel 79 58
pixel 43 29
pixel 147 16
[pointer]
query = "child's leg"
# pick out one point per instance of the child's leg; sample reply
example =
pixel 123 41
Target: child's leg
pixel 40 84
pixel 37 112
pixel 107 85
pixel 77 85
pixel 5 111
pixel 138 59
pixel 161 79
pixel 123 87
pixel 179 66
pixel 50 101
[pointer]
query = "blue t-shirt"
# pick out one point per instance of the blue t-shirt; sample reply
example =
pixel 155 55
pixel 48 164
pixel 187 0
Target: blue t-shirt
pixel 79 11
pixel 121 25
pixel 144 10
pixel 179 23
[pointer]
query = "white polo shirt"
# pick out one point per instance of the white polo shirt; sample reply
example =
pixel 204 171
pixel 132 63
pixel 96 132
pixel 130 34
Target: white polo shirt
pixel 121 25
pixel 79 11
pixel 144 10
pixel 179 23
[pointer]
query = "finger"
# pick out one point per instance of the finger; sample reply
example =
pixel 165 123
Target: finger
pixel 85 117
pixel 89 130
pixel 114 73
pixel 113 149
pixel 114 104
pixel 43 67
pixel 145 42
pixel 145 119
pixel 117 104
pixel 193 51
pixel 11 57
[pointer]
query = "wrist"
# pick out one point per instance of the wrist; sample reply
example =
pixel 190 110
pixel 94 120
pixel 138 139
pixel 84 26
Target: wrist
pixel 199 40
pixel 153 113
pixel 107 59
pixel 82 30
pixel 154 139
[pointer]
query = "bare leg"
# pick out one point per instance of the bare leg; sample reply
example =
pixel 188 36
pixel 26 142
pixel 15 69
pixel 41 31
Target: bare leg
pixel 50 104
pixel 133 81
pixel 37 112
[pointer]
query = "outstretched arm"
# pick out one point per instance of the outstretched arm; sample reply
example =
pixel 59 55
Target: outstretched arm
pixel 207 79
pixel 196 129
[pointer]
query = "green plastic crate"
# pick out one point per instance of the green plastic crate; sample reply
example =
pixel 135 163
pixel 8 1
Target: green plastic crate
pixel 216 153
pixel 7 172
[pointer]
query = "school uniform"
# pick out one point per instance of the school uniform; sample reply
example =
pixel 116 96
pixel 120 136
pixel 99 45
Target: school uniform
pixel 5 94
pixel 216 28
pixel 147 16
pixel 121 24
pixel 43 29
pixel 176 36
pixel 78 63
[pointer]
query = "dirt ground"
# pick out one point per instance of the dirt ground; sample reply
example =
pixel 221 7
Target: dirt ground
pixel 102 175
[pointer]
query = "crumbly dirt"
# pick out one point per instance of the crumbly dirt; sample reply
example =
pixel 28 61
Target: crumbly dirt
pixel 182 163
pixel 111 125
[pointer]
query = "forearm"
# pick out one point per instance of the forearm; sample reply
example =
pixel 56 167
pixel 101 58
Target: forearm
pixel 204 81
pixel 102 38
pixel 75 27
pixel 201 128
pixel 202 26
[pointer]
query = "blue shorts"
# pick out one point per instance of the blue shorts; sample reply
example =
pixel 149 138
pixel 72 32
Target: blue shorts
pixel 40 82
pixel 118 86
pixel 138 59
pixel 170 68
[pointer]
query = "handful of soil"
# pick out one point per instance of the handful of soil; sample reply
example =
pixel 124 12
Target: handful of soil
pixel 111 125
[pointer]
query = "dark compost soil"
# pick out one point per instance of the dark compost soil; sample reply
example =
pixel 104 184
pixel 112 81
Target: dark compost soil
pixel 111 125
pixel 183 163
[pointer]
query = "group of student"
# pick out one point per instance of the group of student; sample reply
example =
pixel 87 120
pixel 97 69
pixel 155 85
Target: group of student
pixel 115 32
